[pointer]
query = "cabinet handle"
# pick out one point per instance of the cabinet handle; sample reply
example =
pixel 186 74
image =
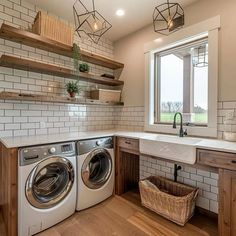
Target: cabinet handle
pixel 234 161
pixel 127 142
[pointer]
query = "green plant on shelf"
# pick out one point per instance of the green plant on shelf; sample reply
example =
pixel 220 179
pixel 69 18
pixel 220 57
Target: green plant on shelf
pixel 72 88
pixel 84 67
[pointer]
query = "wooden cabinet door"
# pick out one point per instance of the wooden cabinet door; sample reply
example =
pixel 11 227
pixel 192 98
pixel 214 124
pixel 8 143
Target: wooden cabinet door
pixel 126 165
pixel 227 203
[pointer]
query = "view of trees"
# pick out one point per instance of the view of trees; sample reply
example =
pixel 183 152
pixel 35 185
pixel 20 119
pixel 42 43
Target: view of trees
pixel 172 107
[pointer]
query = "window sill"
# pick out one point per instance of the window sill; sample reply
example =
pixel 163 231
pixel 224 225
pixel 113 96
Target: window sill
pixel 210 132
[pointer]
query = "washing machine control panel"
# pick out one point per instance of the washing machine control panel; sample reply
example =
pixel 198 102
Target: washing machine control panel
pixel 86 146
pixel 31 155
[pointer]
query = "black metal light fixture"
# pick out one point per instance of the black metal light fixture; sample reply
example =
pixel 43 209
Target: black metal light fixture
pixel 89 21
pixel 168 18
pixel 200 56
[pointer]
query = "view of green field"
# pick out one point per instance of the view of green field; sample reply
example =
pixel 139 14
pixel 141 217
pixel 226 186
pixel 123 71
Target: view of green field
pixel 196 118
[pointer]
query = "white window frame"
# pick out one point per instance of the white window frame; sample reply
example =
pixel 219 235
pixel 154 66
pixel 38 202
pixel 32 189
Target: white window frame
pixel 208 28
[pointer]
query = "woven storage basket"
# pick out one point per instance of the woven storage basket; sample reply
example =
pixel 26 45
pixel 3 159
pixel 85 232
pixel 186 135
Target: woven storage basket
pixel 106 95
pixel 171 200
pixel 50 27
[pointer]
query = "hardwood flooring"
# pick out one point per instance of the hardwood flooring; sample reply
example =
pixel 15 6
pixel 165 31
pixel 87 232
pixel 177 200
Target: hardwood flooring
pixel 124 216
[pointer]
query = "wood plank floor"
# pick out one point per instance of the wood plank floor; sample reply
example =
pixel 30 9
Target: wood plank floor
pixel 124 216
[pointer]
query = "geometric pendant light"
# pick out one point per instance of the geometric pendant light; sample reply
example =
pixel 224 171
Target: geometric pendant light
pixel 89 21
pixel 200 56
pixel 168 18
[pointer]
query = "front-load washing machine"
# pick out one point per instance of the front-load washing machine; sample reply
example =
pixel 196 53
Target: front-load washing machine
pixel 47 186
pixel 95 171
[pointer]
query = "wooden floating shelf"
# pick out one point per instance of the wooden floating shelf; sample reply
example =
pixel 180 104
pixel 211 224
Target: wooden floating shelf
pixel 55 99
pixel 39 67
pixel 30 39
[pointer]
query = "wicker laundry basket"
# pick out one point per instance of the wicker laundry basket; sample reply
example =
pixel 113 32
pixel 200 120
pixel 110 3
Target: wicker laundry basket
pixel 52 28
pixel 169 199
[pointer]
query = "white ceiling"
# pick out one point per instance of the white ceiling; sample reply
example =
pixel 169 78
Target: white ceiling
pixel 138 13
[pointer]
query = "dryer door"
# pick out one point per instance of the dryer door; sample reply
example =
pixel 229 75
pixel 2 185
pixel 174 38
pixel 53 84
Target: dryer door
pixel 97 168
pixel 49 182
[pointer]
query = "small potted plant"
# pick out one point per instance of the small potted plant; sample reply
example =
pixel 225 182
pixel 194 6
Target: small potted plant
pixel 84 67
pixel 72 88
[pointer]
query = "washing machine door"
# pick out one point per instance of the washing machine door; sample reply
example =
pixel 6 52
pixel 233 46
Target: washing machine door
pixel 49 182
pixel 97 168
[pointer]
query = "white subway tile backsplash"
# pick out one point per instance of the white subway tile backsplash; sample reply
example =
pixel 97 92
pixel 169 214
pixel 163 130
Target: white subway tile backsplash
pixel 20 9
pixel 5 17
pixel 203 173
pixel 20 119
pixel 12 113
pixel 20 132
pixel 204 186
pixel 210 181
pixel 215 176
pixel 12 126
pixel 198 178
pixel 16 1
pixel 6 85
pixel 12 12
pixel 214 189
pixel 209 195
pixel 214 207
pixel 203 202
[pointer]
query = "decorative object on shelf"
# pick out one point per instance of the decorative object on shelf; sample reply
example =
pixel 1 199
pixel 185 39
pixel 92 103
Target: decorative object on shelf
pixel 106 95
pixel 200 56
pixel 84 67
pixel 72 88
pixel 89 21
pixel 108 76
pixel 52 28
pixel 168 18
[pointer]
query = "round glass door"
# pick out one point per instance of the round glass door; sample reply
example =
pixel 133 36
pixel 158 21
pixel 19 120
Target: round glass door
pixel 50 182
pixel 96 168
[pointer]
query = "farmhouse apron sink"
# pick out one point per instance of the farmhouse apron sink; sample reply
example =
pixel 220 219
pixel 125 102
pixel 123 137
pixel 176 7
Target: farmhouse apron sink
pixel 170 147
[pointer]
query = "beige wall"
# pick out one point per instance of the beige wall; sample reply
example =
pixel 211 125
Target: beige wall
pixel 130 50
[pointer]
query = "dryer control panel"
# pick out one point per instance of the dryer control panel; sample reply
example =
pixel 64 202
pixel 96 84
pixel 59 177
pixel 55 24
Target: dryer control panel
pixel 85 146
pixel 34 154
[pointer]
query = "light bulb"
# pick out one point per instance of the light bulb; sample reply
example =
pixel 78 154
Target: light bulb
pixel 170 22
pixel 95 25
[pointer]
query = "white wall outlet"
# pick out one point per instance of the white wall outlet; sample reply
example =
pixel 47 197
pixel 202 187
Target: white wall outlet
pixel 42 125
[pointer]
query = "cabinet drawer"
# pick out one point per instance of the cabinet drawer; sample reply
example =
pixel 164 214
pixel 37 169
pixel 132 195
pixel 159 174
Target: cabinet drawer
pixel 132 144
pixel 222 160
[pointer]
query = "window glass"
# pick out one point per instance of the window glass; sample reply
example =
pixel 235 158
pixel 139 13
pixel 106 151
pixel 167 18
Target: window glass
pixel 171 87
pixel 182 83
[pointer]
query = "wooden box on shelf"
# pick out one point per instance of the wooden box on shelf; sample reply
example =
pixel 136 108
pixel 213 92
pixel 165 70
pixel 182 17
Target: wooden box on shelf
pixel 50 27
pixel 106 95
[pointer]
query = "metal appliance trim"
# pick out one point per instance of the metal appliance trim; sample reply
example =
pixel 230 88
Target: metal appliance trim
pixel 30 182
pixel 85 169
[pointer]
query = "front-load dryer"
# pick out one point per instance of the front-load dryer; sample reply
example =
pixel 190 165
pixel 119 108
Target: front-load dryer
pixel 47 186
pixel 95 171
